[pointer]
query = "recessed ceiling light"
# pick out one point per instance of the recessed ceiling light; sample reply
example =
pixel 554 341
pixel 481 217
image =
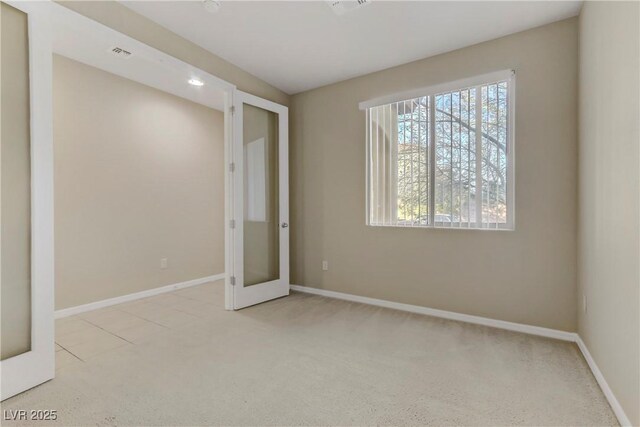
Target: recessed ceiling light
pixel 211 6
pixel 196 82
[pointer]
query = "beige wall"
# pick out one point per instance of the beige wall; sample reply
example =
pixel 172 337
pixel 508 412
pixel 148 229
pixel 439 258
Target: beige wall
pixel 120 18
pixel 139 176
pixel 527 275
pixel 609 237
pixel 15 179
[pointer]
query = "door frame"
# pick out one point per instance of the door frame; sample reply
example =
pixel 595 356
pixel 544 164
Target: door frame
pixel 255 294
pixel 81 23
pixel 34 367
pixel 23 371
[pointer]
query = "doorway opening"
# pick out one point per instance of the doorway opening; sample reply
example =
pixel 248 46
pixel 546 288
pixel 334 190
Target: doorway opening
pixel 64 43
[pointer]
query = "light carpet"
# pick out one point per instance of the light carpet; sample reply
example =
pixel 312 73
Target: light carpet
pixel 310 360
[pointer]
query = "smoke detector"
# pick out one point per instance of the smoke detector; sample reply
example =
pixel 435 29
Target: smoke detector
pixel 120 52
pixel 340 7
pixel 211 6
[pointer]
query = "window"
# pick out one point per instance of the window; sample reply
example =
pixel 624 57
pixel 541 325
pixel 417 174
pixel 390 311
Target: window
pixel 443 156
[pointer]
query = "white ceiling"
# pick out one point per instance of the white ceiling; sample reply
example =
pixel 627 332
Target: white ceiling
pixel 301 45
pixel 89 42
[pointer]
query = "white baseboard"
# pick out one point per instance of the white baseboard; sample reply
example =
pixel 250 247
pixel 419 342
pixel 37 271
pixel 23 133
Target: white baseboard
pixel 501 324
pixel 71 311
pixel 615 405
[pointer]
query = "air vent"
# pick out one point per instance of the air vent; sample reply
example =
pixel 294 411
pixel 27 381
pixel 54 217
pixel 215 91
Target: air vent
pixel 340 7
pixel 120 52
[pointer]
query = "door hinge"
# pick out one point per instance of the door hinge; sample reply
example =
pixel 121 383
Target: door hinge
pixel 232 110
pixel 232 223
pixel 232 280
pixel 232 167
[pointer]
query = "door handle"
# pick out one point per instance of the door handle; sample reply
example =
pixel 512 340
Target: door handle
pixel 284 225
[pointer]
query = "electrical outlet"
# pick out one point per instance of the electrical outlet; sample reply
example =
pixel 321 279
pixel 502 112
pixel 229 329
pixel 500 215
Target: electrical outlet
pixel 164 263
pixel 325 265
pixel 584 303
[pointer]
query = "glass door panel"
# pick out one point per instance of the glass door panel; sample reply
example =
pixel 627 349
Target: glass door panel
pixel 15 186
pixel 261 210
pixel 260 201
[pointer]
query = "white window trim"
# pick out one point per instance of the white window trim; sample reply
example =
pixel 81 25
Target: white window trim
pixel 439 88
pixel 429 91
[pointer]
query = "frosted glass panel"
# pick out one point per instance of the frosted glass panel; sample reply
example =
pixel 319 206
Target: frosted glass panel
pixel 256 180
pixel 15 185
pixel 261 210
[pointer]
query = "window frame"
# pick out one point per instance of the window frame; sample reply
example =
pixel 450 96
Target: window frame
pixel 430 92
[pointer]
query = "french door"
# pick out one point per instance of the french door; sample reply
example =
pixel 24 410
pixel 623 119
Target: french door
pixel 26 193
pixel 260 212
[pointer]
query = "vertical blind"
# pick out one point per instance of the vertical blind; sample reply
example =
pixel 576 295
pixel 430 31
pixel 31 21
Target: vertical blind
pixel 442 160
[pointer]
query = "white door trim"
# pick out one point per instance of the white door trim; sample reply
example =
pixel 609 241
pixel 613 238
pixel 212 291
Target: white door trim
pixel 36 366
pixel 247 296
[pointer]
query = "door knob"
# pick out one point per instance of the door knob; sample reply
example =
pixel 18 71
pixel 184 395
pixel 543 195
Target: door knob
pixel 284 225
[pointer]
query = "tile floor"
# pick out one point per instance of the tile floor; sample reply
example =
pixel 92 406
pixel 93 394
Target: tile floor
pixel 85 336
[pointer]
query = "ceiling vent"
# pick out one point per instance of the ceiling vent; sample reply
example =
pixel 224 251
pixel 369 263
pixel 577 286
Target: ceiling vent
pixel 340 7
pixel 120 52
pixel 211 6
